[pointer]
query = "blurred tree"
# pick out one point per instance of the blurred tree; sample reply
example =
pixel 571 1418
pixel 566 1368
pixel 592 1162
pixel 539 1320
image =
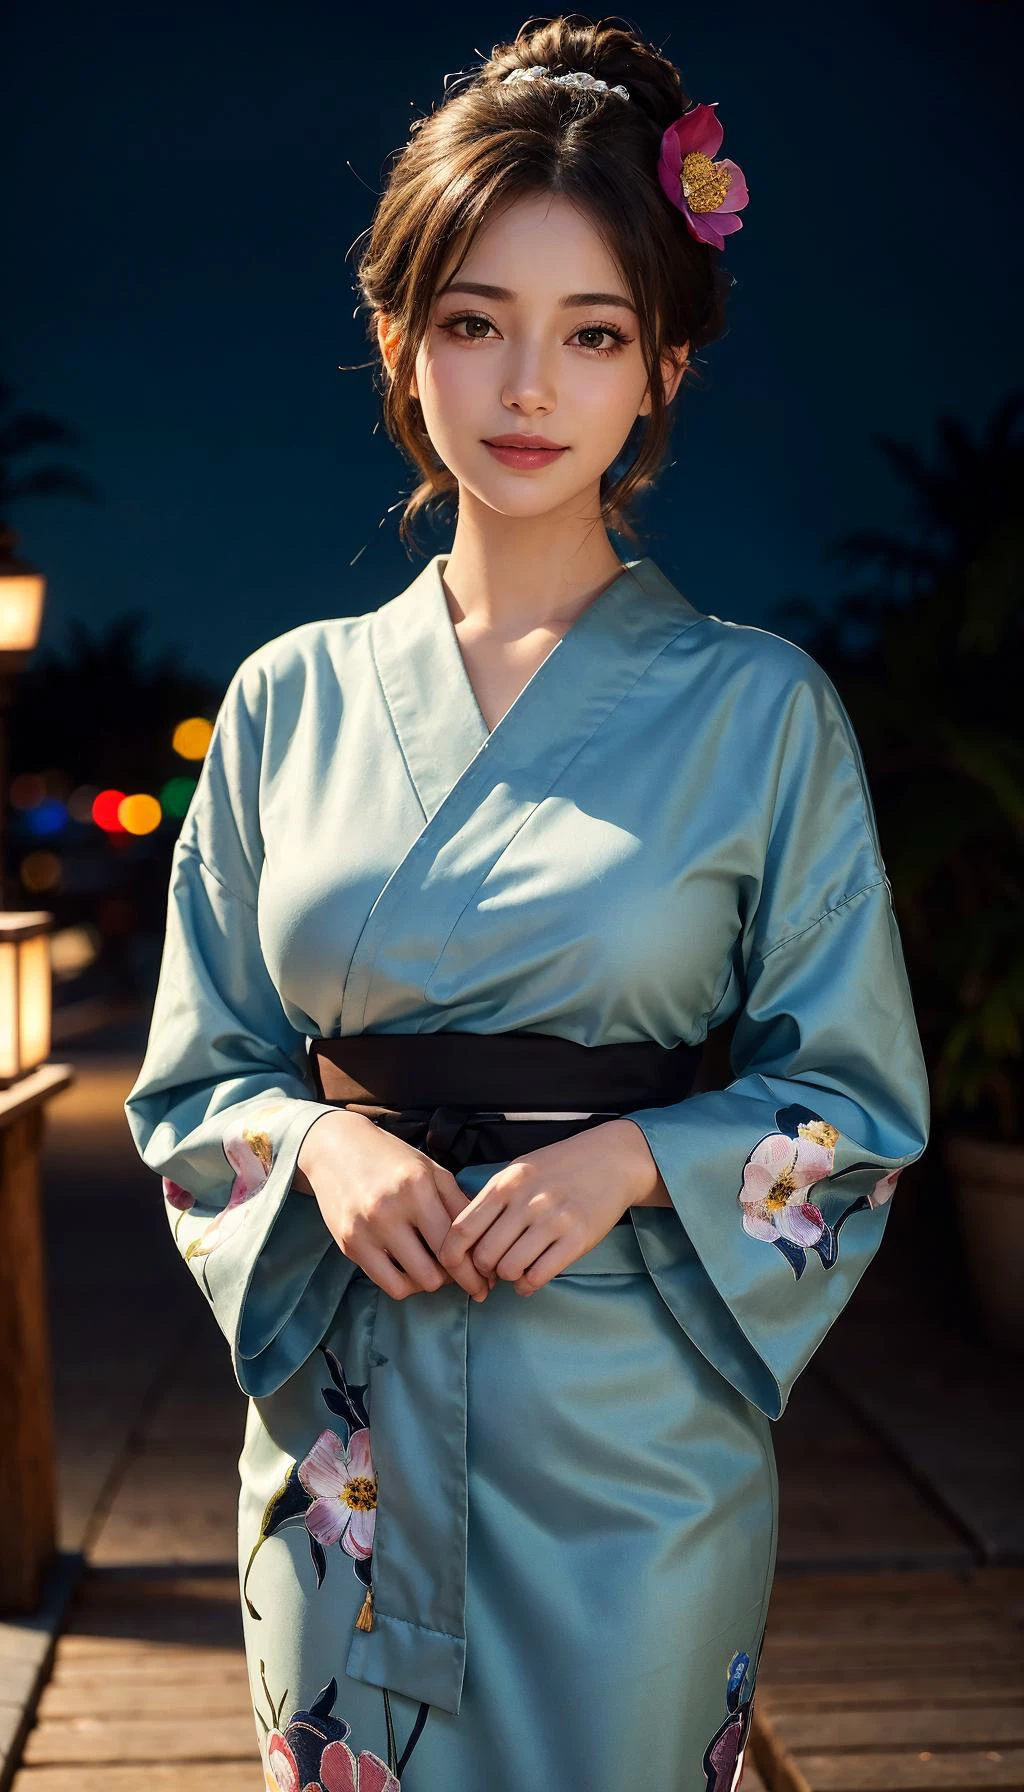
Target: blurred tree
pixel 21 433
pixel 94 708
pixel 927 656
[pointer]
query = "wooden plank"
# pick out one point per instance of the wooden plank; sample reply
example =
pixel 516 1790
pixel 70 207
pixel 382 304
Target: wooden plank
pixel 955 1690
pixel 841 1503
pixel 95 1739
pixel 922 1584
pixel 873 1623
pixel 926 1771
pixel 183 1776
pixel 108 1654
pixel 144 1524
pixel 793 1668
pixel 925 1726
pixel 151 1695
pixel 132 1663
pixel 945 1412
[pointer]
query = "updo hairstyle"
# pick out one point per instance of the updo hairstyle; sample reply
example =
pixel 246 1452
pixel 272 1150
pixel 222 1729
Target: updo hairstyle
pixel 486 145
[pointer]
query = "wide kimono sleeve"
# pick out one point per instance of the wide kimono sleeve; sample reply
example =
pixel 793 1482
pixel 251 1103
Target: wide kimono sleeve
pixel 223 1099
pixel 782 1178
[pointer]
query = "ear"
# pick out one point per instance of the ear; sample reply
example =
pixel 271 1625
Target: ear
pixel 673 365
pixel 387 341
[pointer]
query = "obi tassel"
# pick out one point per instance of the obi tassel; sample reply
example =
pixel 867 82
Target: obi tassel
pixel 365 1618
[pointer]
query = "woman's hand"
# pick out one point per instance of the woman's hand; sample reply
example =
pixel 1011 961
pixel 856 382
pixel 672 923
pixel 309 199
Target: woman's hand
pixel 385 1203
pixel 542 1211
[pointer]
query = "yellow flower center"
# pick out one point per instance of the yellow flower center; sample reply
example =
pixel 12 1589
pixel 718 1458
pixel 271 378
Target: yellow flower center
pixel 821 1132
pixel 704 182
pixel 259 1143
pixel 782 1190
pixel 360 1493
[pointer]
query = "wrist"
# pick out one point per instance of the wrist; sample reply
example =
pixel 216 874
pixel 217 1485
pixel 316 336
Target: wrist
pixel 644 1186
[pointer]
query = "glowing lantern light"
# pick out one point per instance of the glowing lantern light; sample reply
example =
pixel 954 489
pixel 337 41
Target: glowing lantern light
pixel 47 817
pixel 177 794
pixel 139 814
pixel 104 811
pixel 25 992
pixel 192 737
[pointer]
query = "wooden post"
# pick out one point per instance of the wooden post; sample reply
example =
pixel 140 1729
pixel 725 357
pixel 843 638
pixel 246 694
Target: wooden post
pixel 28 1503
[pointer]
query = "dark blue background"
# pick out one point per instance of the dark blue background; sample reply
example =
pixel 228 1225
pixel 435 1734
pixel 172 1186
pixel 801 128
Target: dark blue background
pixel 187 181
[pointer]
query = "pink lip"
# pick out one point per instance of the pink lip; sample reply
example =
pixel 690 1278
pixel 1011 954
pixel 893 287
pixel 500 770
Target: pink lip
pixel 522 457
pixel 516 441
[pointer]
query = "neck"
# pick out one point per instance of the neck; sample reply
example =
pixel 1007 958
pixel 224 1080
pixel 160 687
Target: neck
pixel 514 578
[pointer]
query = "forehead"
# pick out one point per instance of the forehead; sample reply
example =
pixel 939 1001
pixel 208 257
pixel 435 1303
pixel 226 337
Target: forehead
pixel 538 246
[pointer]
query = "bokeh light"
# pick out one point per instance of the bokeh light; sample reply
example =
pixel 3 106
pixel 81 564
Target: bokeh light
pixel 40 871
pixel 177 794
pixel 104 810
pixel 48 817
pixel 26 790
pixel 192 737
pixel 139 813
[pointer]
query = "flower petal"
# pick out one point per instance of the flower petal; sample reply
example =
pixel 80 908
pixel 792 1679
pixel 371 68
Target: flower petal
pixel 800 1222
pixel 227 1221
pixel 777 1151
pixel 812 1162
pixel 283 1764
pixel 758 1224
pixel 671 154
pixel 325 1469
pixel 358 1539
pixel 737 196
pixel 326 1520
pixel 716 231
pixel 176 1196
pixel 338 1769
pixel 375 1775
pixel 758 1181
pixel 699 129
pixel 360 1461
pixel 884 1189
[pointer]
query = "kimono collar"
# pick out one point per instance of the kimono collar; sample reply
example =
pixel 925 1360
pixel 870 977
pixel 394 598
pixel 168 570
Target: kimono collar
pixel 432 702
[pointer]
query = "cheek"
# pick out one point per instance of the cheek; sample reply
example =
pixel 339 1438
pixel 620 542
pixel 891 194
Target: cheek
pixel 604 412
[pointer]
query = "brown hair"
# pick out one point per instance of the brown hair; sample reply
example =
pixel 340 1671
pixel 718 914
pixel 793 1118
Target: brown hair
pixel 487 144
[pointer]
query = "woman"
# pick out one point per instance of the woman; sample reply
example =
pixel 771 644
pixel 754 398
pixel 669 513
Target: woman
pixel 513 844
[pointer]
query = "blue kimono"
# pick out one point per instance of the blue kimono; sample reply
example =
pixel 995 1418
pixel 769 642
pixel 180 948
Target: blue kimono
pixel 566 1507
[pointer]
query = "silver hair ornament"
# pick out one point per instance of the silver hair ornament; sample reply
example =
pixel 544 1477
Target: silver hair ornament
pixel 577 78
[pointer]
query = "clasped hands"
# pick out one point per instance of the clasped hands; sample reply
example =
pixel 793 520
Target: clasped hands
pixel 540 1212
pixel 406 1222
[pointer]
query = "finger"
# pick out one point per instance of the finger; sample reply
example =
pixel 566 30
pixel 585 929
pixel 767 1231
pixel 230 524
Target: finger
pixel 419 1264
pixel 436 1229
pixel 470 1225
pixel 387 1275
pixel 523 1252
pixel 551 1262
pixel 453 1199
pixel 506 1232
pixel 436 1209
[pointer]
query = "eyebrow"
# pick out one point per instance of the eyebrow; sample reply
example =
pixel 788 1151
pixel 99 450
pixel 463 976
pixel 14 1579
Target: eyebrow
pixel 572 300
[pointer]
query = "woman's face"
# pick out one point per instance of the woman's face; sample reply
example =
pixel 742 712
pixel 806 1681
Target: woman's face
pixel 539 357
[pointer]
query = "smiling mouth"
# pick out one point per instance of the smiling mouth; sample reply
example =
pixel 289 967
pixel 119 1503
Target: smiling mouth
pixel 521 455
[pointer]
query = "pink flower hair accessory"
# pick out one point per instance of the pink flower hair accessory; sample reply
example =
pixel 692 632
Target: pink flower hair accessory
pixel 709 194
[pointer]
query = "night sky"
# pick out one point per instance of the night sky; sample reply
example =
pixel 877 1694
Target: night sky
pixel 185 182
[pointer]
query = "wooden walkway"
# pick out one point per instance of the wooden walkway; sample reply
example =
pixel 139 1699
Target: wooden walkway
pixel 894 1656
pixel 868 1683
pixel 876 1683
